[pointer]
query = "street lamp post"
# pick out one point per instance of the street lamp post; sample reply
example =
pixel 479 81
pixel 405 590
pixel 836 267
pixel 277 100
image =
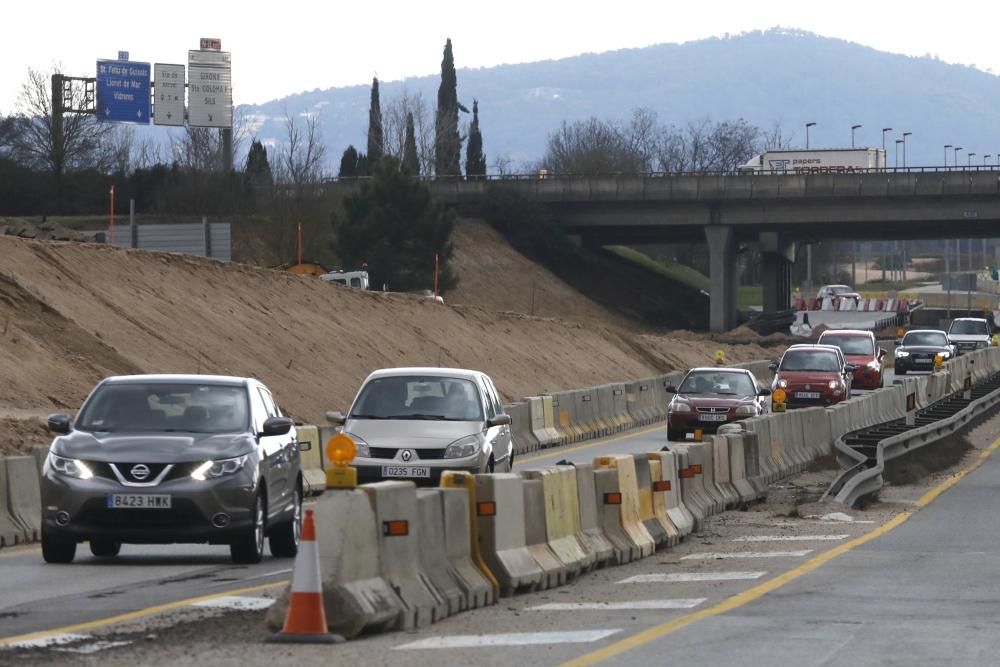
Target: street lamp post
pixel 946 147
pixel 985 157
pixel 853 127
pixel 808 125
pixel 955 161
pixel 898 142
pixel 969 156
pixel 905 135
pixel 884 130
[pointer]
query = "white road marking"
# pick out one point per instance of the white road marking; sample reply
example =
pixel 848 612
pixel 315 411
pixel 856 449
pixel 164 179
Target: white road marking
pixel 510 639
pixel 93 647
pixel 50 640
pixel 237 602
pixel 682 577
pixel 748 554
pixel 791 538
pixel 681 603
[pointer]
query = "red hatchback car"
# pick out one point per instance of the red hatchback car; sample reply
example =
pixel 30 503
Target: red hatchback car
pixel 710 397
pixel 812 375
pixel 862 351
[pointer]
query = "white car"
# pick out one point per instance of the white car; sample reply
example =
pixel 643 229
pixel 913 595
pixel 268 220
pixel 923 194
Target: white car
pixel 969 333
pixel 837 292
pixel 415 423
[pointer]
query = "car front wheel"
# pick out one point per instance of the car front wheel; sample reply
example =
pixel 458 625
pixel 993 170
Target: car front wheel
pixel 249 548
pixel 284 538
pixel 56 549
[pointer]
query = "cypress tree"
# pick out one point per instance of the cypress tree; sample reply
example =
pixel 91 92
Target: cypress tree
pixel 475 160
pixel 349 163
pixel 447 144
pixel 258 169
pixel 410 159
pixel 376 139
pixel 364 165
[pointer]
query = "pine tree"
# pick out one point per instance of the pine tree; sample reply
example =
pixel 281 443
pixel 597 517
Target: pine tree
pixel 475 160
pixel 258 169
pixel 376 139
pixel 410 159
pixel 349 163
pixel 447 144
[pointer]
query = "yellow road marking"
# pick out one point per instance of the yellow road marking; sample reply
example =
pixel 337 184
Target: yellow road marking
pixel 133 615
pixel 763 589
pixel 558 451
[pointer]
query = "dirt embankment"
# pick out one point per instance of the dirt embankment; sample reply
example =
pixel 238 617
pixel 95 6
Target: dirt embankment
pixel 72 313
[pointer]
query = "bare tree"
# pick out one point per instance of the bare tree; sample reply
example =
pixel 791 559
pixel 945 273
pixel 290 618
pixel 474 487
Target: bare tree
pixel 502 165
pixel 394 123
pixel 39 144
pixel 300 162
pixel 592 146
pixel 775 138
pixel 8 135
pixel 197 149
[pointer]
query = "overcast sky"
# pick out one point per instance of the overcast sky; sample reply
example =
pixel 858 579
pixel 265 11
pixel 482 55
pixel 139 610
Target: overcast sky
pixel 280 48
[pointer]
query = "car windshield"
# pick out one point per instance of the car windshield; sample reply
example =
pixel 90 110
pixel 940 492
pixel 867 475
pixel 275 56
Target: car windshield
pixel 930 338
pixel 716 382
pixel 810 360
pixel 419 397
pixel 841 289
pixel 858 345
pixel 154 407
pixel 969 328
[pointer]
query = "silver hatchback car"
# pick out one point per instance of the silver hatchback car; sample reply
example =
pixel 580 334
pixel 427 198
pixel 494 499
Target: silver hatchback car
pixel 159 459
pixel 415 423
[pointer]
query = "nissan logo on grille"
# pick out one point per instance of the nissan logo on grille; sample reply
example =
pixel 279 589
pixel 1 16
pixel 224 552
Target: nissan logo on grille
pixel 139 472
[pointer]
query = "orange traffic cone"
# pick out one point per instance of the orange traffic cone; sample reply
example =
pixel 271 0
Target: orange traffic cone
pixel 305 622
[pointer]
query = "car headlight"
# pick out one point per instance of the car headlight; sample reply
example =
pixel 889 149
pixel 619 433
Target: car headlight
pixel 462 448
pixel 873 365
pixel 944 355
pixel 746 410
pixel 902 353
pixel 220 468
pixel 833 384
pixel 70 467
pixel 364 451
pixel 982 343
pixel 677 406
pixel 783 384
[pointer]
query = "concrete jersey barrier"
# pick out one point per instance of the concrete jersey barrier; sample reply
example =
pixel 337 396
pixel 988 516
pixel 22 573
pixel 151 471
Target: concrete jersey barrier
pixel 502 533
pixel 554 571
pixel 11 532
pixel 24 495
pixel 477 588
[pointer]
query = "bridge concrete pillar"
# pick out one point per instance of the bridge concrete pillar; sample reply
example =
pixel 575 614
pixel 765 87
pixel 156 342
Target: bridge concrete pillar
pixel 777 257
pixel 722 271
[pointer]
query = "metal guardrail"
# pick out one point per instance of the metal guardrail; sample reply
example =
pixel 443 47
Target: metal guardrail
pixel 873 447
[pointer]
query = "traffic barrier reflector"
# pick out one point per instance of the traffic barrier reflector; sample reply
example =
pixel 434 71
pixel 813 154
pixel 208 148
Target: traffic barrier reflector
pixel 305 622
pixel 502 536
pixel 403 563
pixel 612 498
pixel 356 596
pixel 10 531
pixel 434 550
pixel 661 486
pixel 479 590
pixel 554 571
pixel 24 495
pixel 451 479
pixel 623 466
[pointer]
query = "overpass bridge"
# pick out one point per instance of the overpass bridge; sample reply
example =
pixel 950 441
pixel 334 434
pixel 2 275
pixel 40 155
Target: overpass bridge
pixel 772 210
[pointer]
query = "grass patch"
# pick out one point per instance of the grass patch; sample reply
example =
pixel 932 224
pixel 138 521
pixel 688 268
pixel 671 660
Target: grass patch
pixel 675 272
pixel 749 295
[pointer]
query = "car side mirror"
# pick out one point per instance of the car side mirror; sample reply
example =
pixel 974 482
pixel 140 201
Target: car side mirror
pixel 850 368
pixel 881 354
pixel 498 420
pixel 336 417
pixel 773 367
pixel 670 389
pixel 59 423
pixel 277 426
pixel 764 392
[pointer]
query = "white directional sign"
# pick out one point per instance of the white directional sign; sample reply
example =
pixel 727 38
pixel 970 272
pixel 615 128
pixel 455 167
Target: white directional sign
pixel 168 94
pixel 210 89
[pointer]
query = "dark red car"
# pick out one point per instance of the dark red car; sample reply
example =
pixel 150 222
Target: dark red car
pixel 862 351
pixel 710 397
pixel 812 375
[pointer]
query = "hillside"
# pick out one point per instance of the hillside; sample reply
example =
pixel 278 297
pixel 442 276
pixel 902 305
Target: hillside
pixel 72 313
pixel 777 76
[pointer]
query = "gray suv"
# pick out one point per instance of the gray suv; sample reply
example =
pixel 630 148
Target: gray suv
pixel 161 459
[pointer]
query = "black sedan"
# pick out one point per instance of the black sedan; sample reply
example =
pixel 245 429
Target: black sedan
pixel 917 349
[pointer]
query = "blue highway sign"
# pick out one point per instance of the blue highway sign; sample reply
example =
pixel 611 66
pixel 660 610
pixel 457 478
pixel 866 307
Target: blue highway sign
pixel 123 91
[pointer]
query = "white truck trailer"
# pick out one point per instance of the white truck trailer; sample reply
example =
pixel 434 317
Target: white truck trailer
pixel 818 161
